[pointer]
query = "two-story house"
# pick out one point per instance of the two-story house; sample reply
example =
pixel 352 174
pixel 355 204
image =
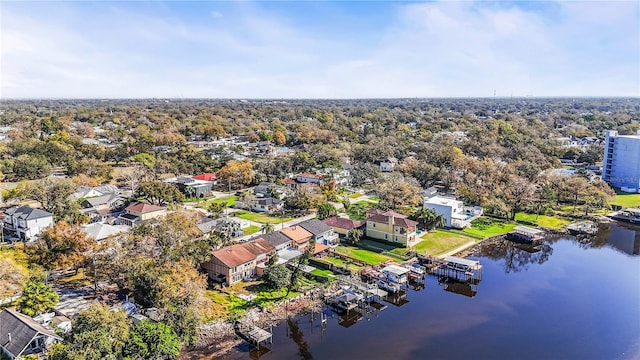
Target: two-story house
pixel 21 335
pixel 391 226
pixel 101 207
pixel 235 263
pixel 26 222
pixel 455 214
pixel 191 187
pixel 387 165
pixel 278 240
pixel 267 205
pixel 322 233
pixel 139 212
pixel 299 237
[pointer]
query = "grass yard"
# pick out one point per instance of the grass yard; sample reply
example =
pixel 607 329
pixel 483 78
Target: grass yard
pixel 626 200
pixel 226 200
pixel 226 305
pixel 342 264
pixel 485 227
pixel 252 229
pixel 554 222
pixel 17 254
pixel 324 273
pixel 437 242
pixel 374 198
pixel 355 195
pixel 367 256
pixel 260 217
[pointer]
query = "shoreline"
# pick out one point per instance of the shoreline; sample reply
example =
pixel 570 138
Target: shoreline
pixel 220 338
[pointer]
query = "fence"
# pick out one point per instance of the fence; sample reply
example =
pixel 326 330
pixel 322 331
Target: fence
pixel 9 300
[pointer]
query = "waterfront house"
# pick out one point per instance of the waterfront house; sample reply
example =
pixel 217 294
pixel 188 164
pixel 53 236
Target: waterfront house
pixel 26 222
pixel 21 335
pixel 299 236
pixel 342 226
pixel 235 263
pixel 322 233
pixel 455 214
pixel 139 212
pixel 391 226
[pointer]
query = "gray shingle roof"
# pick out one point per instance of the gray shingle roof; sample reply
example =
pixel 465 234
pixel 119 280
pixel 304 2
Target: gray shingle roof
pixel 276 238
pixel 27 213
pixel 101 200
pixel 22 329
pixel 315 226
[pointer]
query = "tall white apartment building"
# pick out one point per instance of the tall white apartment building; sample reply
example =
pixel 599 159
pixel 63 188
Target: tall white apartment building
pixel 621 164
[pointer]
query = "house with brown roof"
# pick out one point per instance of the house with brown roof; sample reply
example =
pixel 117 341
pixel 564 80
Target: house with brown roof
pixel 21 335
pixel 139 212
pixel 298 235
pixel 391 226
pixel 343 225
pixel 235 263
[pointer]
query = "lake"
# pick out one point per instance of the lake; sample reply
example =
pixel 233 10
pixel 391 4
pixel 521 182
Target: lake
pixel 567 299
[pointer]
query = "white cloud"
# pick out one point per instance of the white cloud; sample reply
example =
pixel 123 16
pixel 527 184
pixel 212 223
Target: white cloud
pixel 430 49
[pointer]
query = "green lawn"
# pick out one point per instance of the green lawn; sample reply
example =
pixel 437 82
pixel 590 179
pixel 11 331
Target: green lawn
pixel 260 217
pixel 370 257
pixel 227 200
pixel 252 229
pixel 355 195
pixel 342 264
pixel 227 305
pixel 485 227
pixel 374 198
pixel 437 242
pixel 553 222
pixel 324 273
pixel 627 200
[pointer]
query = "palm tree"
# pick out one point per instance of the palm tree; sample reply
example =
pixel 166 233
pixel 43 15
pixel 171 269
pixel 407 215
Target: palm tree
pixel 268 228
pixel 354 235
pixel 427 218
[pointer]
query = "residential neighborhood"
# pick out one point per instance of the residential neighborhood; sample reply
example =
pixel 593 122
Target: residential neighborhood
pixel 250 225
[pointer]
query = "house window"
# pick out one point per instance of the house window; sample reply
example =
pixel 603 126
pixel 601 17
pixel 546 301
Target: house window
pixel 396 237
pixel 385 236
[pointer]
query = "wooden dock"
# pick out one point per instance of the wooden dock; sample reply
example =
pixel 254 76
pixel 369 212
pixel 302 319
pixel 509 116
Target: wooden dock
pixel 253 334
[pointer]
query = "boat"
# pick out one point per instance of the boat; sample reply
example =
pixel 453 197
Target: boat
pixel 631 215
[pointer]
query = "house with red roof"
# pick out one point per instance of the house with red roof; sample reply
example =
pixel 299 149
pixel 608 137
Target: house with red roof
pixel 139 212
pixel 391 226
pixel 235 263
pixel 207 177
pixel 343 225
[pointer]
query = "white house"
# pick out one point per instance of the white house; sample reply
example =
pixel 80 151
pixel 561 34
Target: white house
pixel 309 178
pixel 621 165
pixel 27 222
pixel 455 214
pixel 387 165
pixel 267 205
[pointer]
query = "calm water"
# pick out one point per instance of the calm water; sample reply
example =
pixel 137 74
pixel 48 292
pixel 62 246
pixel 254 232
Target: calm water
pixel 570 300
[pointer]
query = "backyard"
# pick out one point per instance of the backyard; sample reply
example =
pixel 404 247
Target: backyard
pixel 368 256
pixel 260 217
pixel 553 222
pixel 627 200
pixel 437 242
pixel 486 227
pixel 252 229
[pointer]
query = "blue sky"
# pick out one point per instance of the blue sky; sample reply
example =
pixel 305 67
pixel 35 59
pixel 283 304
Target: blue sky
pixel 348 49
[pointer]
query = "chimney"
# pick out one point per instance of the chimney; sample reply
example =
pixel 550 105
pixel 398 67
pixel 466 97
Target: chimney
pixel 9 335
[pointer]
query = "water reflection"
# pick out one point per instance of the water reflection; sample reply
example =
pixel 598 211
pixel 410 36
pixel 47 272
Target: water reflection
pixel 298 337
pixel 517 257
pixel 467 288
